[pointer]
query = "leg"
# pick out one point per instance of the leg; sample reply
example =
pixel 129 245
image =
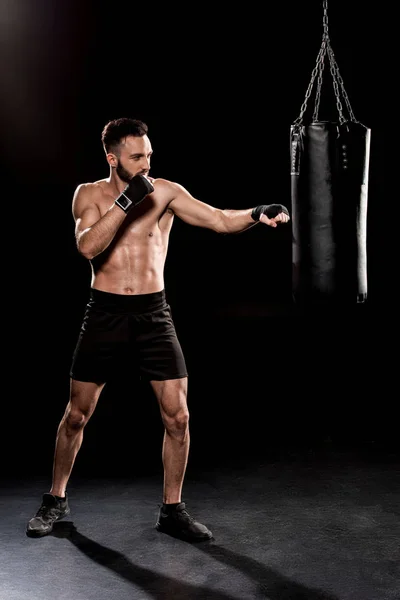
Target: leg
pixel 173 517
pixel 171 396
pixel 83 401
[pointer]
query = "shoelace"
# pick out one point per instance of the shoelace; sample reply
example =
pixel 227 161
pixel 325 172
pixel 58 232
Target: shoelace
pixel 182 513
pixel 186 517
pixel 45 511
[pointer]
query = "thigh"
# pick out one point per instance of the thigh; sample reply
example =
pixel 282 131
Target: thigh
pixel 159 350
pixel 84 396
pixel 171 395
pixel 101 346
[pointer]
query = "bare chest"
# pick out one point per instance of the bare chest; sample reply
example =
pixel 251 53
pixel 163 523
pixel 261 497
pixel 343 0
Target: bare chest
pixel 145 223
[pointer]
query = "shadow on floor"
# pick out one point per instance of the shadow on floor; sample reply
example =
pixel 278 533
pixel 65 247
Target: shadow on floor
pixel 271 584
pixel 274 585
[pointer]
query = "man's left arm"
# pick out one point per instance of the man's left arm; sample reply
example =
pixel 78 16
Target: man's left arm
pixel 200 214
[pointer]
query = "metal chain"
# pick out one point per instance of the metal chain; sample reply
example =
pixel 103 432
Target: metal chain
pixel 325 20
pixel 325 37
pixel 338 78
pixel 335 86
pixel 318 68
pixel 319 87
pixel 326 48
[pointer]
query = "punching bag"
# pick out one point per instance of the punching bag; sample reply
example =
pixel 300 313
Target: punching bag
pixel 329 166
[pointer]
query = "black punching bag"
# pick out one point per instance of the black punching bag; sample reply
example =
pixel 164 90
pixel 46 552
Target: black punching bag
pixel 329 194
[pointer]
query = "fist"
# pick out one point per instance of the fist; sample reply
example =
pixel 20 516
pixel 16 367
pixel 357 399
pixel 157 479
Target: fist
pixel 271 214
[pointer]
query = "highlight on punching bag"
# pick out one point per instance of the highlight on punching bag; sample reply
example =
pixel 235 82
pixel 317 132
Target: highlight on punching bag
pixel 329 164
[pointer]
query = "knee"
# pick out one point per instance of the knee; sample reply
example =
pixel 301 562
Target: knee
pixel 177 425
pixel 75 420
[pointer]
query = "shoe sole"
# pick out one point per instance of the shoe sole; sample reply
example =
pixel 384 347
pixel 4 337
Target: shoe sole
pixel 37 534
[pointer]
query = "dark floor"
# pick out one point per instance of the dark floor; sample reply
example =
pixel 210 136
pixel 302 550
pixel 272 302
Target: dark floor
pixel 298 526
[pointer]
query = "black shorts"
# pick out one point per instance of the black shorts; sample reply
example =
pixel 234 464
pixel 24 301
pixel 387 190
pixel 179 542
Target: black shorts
pixel 120 333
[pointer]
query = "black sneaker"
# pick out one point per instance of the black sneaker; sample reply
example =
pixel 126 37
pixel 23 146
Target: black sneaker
pixel 51 510
pixel 178 523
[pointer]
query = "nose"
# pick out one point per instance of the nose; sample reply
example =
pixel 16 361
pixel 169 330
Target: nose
pixel 145 164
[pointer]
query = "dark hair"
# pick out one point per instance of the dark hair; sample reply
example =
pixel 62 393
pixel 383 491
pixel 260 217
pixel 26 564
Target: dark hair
pixel 116 130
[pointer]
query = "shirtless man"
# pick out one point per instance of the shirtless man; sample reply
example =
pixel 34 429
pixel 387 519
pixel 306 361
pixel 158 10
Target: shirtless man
pixel 122 226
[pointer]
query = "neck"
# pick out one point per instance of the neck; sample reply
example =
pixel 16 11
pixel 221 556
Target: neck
pixel 116 183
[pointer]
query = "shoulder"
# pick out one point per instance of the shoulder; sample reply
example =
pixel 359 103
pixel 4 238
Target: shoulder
pixel 87 196
pixel 160 183
pixel 90 192
pixel 166 189
pixel 90 189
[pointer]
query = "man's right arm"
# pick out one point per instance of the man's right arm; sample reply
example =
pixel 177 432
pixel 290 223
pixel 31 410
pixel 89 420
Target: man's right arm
pixel 93 232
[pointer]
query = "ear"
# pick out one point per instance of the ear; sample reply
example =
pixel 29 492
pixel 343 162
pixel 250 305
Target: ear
pixel 112 160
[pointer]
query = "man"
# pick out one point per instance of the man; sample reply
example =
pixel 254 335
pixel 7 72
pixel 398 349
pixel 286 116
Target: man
pixel 122 226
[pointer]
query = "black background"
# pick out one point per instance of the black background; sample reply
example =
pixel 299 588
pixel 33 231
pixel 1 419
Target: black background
pixel 218 88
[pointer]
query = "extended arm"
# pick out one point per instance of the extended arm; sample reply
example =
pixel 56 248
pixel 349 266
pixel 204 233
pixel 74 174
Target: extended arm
pixel 200 214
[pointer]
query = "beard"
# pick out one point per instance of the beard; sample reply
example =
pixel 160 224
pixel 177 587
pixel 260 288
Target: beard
pixel 122 173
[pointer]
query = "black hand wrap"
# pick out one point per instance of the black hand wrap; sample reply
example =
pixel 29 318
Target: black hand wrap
pixel 271 210
pixel 136 190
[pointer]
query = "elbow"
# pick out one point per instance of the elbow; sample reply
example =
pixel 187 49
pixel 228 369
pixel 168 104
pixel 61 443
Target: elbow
pixel 85 252
pixel 84 248
pixel 220 223
pixel 87 255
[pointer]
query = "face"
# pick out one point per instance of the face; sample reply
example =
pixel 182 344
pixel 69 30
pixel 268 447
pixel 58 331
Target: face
pixel 134 158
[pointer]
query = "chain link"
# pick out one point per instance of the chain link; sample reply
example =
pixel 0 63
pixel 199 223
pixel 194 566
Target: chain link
pixel 318 68
pixel 325 38
pixel 319 86
pixel 325 19
pixel 325 49
pixel 335 86
pixel 338 77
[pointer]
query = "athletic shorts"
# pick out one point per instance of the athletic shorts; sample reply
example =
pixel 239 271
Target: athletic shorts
pixel 121 333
